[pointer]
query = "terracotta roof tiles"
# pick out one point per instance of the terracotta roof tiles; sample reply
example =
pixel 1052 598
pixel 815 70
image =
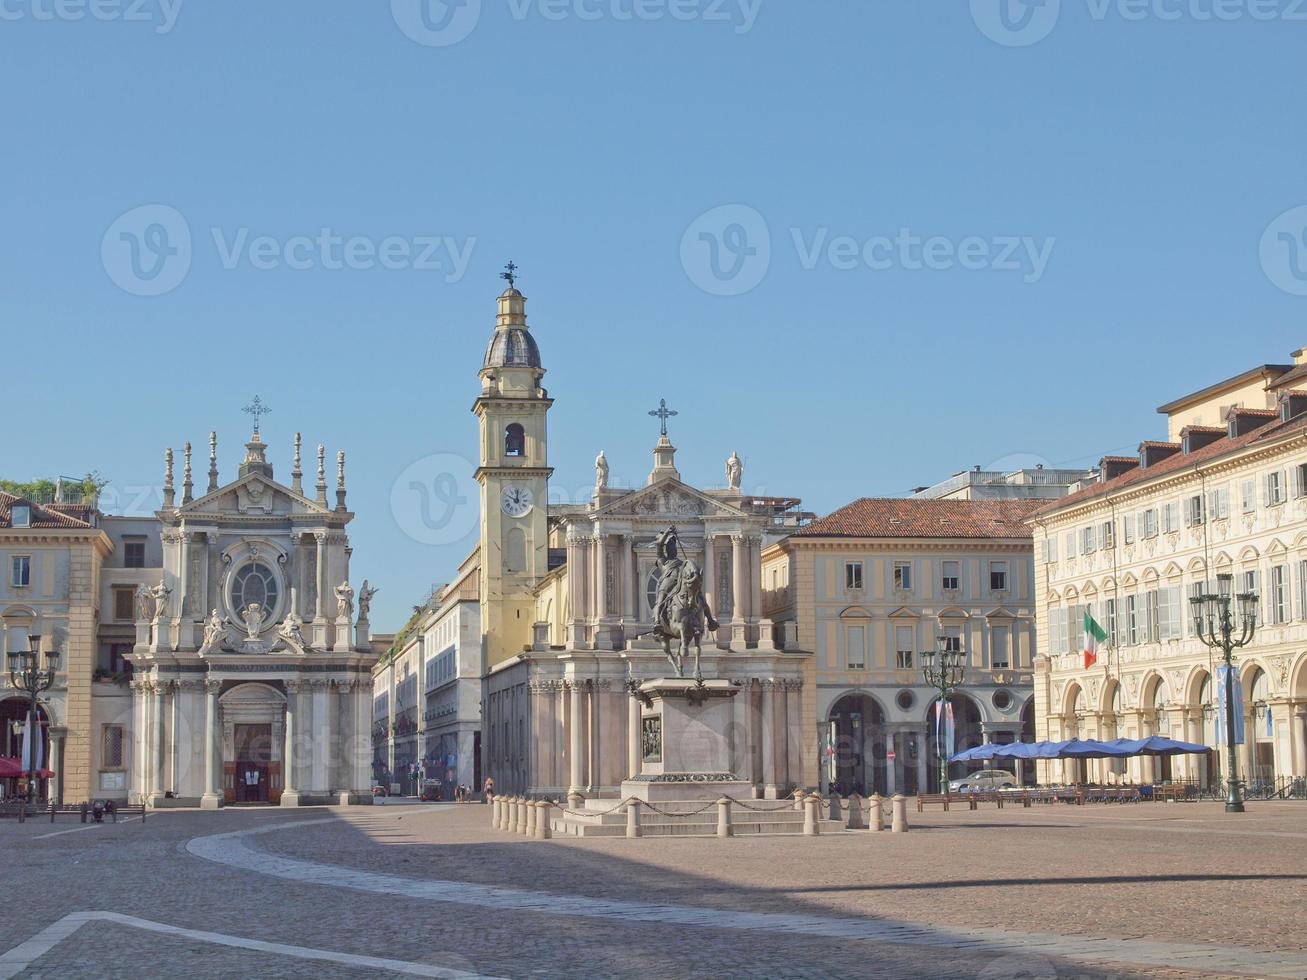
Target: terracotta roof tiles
pixel 886 517
pixel 42 517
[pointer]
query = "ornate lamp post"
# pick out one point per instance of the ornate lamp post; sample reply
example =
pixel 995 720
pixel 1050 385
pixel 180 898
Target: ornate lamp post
pixel 1221 628
pixel 26 674
pixel 945 676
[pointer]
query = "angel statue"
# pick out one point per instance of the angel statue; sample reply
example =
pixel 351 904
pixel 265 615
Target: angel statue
pixel 365 601
pixel 291 632
pixel 214 628
pixel 344 600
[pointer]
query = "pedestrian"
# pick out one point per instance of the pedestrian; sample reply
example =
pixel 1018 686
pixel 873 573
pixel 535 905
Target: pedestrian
pixel 488 791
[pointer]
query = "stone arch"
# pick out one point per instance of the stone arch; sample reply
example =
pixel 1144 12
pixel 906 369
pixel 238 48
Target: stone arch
pixel 853 757
pixel 1197 567
pixel 1111 700
pixel 1153 683
pixel 1298 678
pixel 1247 674
pixel 1193 686
pixel 1249 554
pixel 1071 697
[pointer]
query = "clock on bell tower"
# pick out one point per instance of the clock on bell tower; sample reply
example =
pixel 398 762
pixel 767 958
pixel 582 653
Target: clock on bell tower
pixel 514 479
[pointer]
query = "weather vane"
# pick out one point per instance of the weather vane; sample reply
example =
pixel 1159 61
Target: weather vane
pixel 510 274
pixel 256 408
pixel 663 413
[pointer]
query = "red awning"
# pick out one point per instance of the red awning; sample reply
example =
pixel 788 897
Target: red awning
pixel 11 768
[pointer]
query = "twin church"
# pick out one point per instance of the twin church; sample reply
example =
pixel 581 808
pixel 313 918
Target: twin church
pixel 253 665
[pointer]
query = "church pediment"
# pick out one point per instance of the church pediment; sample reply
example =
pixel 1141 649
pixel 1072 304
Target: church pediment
pixel 254 495
pixel 668 499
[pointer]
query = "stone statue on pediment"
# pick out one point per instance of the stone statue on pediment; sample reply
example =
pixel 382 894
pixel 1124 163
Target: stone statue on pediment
pixel 734 472
pixel 215 627
pixel 365 601
pixel 601 471
pixel 344 601
pixel 254 617
pixel 160 594
pixel 292 633
pixel 144 604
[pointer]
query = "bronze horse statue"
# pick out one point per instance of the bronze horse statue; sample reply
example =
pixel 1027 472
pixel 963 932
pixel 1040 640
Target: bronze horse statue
pixel 682 613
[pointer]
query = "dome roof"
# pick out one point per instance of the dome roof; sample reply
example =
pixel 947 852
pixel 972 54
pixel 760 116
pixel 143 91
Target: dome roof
pixel 512 347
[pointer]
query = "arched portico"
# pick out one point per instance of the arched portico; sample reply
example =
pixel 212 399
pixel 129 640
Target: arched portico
pixel 855 753
pixel 253 737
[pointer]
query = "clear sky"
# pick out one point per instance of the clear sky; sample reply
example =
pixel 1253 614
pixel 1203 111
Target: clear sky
pixel 949 236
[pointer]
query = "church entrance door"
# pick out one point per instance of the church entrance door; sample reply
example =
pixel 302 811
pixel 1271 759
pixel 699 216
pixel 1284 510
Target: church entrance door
pixel 253 762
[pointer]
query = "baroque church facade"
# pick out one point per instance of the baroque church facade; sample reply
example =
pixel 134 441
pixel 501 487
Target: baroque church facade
pixel 251 674
pixel 567 602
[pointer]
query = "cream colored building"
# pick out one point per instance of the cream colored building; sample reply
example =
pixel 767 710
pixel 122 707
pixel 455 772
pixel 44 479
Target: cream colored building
pixel 51 559
pixel 1150 532
pixel 874 584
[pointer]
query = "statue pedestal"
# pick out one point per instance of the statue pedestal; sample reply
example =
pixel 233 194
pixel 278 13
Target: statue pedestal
pixel 344 642
pixel 685 741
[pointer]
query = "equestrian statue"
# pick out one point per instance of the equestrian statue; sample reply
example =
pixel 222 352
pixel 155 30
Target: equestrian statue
pixel 680 612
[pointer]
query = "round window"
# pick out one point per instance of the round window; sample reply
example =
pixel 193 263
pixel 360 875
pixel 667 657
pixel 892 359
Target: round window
pixel 905 700
pixel 1002 700
pixel 254 584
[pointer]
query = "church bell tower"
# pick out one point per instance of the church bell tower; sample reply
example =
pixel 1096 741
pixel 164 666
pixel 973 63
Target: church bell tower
pixel 514 479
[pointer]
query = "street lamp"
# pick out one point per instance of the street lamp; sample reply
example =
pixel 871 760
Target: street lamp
pixel 1217 625
pixel 945 676
pixel 26 674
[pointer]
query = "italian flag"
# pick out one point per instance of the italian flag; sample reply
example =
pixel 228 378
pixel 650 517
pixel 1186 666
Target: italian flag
pixel 1094 635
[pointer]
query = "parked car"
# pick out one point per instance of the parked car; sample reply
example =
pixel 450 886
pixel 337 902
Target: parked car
pixel 985 779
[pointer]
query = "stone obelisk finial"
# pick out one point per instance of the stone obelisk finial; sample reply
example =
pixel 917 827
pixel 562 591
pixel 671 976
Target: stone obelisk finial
pixel 187 495
pixel 322 474
pixel 213 462
pixel 296 474
pixel 169 495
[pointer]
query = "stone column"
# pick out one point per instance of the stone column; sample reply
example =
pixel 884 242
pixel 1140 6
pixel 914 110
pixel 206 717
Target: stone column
pixel 709 587
pixel 739 583
pixel 891 765
pixel 595 732
pixel 923 768
pixel 754 577
pixel 631 577
pixel 576 747
pixel 57 737
pixel 157 744
pixel 289 755
pixel 768 735
pixel 320 575
pixel 174 729
pixel 634 738
pixel 601 574
pixel 363 740
pixel 212 797
pixel 137 791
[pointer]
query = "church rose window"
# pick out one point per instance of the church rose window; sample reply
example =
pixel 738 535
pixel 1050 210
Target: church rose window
pixel 254 584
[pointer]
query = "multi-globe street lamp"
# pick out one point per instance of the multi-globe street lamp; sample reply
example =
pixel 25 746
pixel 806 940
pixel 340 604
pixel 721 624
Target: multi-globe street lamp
pixel 27 675
pixel 945 675
pixel 1223 628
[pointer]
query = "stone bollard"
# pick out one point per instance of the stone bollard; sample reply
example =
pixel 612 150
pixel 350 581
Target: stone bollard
pixel 855 813
pixel 522 811
pixel 496 812
pixel 899 811
pixel 506 815
pixel 633 818
pixel 515 827
pixel 543 830
pixel 877 815
pixel 724 827
pixel 835 813
pixel 514 807
pixel 811 823
pixel 575 801
pixel 529 829
pixel 800 799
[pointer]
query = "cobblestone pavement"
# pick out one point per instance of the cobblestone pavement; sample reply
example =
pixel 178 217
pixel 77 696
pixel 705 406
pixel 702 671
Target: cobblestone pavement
pixel 1147 890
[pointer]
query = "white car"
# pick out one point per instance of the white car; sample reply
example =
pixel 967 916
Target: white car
pixel 985 779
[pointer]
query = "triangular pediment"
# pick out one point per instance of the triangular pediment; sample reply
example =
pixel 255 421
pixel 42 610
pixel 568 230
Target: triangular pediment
pixel 252 495
pixel 668 499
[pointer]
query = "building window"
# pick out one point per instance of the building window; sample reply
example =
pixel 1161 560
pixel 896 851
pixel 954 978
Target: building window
pixel 1069 539
pixel 133 554
pixel 20 516
pixel 113 658
pixel 1280 594
pixel 1087 544
pixel 21 576
pixel 1274 488
pixel 1132 619
pixel 111 747
pixel 1248 496
pixel 1300 480
pixel 124 604
pixel 1000 647
pixel 1218 504
pixel 1150 523
pixel 1196 589
pixel 952 576
pixel 903 647
pixel 903 575
pixel 852 575
pixel 1170 617
pixel 1112 636
pixel 1195 513
pixel 514 440
pixel 953 640
pixel 998 576
pixel 855 643
pixel 1128 529
pixel 1302 590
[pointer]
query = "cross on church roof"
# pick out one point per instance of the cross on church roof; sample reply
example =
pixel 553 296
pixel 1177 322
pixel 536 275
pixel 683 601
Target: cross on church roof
pixel 256 408
pixel 510 274
pixel 663 413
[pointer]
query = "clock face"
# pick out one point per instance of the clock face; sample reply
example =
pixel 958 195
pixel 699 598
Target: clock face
pixel 516 501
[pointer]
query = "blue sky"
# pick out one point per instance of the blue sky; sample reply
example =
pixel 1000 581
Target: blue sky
pixel 1093 194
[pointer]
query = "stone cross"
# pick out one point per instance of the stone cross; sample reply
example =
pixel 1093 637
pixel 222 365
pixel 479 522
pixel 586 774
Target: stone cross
pixel 510 274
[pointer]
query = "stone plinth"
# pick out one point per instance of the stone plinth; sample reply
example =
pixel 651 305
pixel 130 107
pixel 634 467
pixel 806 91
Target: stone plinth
pixel 685 742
